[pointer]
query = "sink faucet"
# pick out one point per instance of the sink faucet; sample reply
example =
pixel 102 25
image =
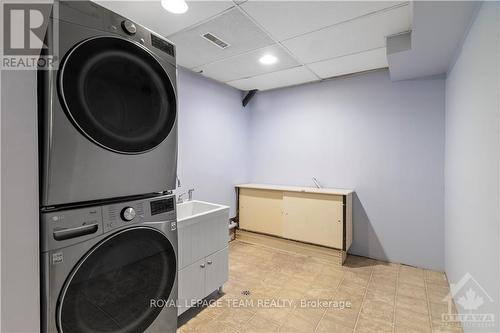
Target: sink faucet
pixel 316 182
pixel 180 196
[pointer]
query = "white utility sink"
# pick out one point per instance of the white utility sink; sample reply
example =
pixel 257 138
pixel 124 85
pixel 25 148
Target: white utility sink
pixel 195 208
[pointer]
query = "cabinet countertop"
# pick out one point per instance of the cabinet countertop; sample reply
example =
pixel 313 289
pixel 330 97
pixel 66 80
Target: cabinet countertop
pixel 332 191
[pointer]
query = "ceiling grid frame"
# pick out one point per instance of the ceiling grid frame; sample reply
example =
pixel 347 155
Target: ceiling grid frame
pixel 273 38
pixel 376 12
pixel 302 65
pixel 237 5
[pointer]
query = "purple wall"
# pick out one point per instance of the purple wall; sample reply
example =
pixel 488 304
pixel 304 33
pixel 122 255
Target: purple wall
pixel 384 139
pixel 213 131
pixel 472 192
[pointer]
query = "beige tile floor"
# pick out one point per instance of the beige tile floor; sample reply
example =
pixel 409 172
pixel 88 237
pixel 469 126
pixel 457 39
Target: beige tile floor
pixel 271 290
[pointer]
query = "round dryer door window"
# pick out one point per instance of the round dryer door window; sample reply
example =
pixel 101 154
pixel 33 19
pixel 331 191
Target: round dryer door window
pixel 111 289
pixel 117 94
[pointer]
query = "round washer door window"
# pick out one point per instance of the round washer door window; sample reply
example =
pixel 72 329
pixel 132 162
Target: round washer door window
pixel 111 289
pixel 117 94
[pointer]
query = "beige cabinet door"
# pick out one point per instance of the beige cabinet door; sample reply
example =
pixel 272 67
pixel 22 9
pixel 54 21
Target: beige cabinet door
pixel 313 218
pixel 261 211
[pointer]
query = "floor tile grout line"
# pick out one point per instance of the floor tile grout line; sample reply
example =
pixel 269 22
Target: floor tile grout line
pixel 319 321
pixel 395 300
pixel 324 313
pixel 363 300
pixel 284 321
pixel 428 301
pixel 245 323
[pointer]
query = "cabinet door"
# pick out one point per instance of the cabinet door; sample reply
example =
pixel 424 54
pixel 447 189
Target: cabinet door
pixel 190 243
pixel 313 218
pixel 261 211
pixel 217 270
pixel 191 285
pixel 201 236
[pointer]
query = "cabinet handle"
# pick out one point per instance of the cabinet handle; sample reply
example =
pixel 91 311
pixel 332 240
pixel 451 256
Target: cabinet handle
pixel 202 265
pixel 209 262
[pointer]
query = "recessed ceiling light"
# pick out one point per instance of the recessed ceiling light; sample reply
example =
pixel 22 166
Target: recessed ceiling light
pixel 268 59
pixel 175 6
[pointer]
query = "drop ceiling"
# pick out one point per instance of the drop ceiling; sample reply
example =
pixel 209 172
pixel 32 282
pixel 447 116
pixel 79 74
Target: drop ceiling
pixel 313 40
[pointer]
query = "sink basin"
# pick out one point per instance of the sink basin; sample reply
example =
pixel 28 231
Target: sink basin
pixel 195 208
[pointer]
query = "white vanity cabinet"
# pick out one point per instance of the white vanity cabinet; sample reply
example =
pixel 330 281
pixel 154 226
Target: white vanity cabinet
pixel 201 278
pixel 203 251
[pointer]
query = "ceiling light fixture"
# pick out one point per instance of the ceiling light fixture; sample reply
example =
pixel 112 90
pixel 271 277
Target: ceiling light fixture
pixel 268 59
pixel 175 6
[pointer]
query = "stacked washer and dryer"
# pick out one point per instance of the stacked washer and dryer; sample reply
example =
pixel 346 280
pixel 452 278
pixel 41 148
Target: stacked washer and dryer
pixel 108 159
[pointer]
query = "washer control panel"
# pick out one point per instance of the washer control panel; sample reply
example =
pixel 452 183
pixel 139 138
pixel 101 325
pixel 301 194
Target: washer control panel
pixel 161 206
pixel 156 209
pixel 61 228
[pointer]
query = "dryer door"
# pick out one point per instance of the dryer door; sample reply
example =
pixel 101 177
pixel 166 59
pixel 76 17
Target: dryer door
pixel 117 94
pixel 111 288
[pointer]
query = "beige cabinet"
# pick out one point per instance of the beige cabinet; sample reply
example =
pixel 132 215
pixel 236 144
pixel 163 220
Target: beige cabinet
pixel 261 210
pixel 316 216
pixel 313 218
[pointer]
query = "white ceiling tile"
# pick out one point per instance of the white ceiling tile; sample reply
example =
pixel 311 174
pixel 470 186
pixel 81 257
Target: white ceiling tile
pixel 287 77
pixel 349 64
pixel 366 33
pixel 247 64
pixel 232 27
pixel 152 15
pixel 306 16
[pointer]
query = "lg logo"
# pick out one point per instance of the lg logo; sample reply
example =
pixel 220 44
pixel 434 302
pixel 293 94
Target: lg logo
pixel 25 27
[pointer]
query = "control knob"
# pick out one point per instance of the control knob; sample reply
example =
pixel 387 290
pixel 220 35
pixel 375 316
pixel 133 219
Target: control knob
pixel 128 213
pixel 129 27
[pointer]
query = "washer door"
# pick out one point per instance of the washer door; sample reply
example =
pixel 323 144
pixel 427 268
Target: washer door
pixel 117 94
pixel 111 289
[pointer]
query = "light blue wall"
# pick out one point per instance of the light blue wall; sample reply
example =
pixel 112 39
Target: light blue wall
pixel 384 139
pixel 472 167
pixel 213 128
